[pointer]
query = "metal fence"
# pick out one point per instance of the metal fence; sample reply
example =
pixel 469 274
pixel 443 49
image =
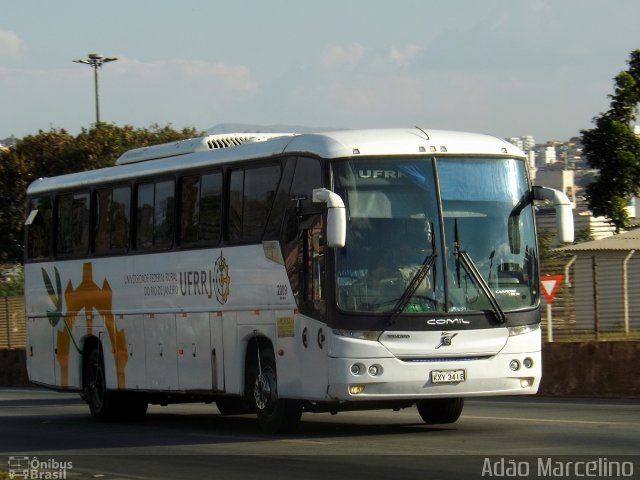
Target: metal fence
pixel 592 303
pixel 12 333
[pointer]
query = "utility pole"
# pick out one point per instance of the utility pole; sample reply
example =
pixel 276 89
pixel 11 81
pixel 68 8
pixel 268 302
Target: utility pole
pixel 95 60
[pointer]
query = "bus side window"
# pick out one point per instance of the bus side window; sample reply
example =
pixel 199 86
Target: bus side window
pixel 201 209
pixel 73 224
pixel 39 227
pixel 112 212
pixel 252 192
pixel 155 215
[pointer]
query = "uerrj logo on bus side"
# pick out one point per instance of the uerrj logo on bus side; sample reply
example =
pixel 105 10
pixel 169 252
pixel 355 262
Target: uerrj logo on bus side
pixel 213 281
pixel 222 279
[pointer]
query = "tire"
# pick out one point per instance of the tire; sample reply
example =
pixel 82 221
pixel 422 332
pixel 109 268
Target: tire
pixel 102 403
pixel 233 406
pixel 275 415
pixel 106 405
pixel 440 410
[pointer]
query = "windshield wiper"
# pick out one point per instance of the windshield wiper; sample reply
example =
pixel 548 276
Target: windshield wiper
pixel 472 270
pixel 412 287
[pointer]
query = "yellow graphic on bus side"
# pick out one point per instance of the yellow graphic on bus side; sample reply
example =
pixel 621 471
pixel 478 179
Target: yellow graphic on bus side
pixel 89 297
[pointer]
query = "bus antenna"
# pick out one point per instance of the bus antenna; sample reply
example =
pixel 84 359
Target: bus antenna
pixel 425 133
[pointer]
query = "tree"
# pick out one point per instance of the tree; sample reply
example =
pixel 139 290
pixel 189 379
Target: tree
pixel 12 285
pixel 614 149
pixel 56 152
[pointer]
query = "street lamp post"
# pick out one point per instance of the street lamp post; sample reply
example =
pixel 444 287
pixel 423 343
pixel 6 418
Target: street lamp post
pixel 95 60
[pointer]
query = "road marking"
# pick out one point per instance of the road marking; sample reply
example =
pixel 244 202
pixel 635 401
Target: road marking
pixel 254 439
pixel 548 420
pixel 305 442
pixel 223 436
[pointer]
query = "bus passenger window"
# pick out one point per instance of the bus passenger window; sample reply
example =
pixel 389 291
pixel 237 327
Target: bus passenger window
pixel 39 228
pixel 189 209
pixel 201 202
pixel 236 186
pixel 112 207
pixel 120 218
pixel 155 215
pixel 73 224
pixel 252 192
pixel 211 207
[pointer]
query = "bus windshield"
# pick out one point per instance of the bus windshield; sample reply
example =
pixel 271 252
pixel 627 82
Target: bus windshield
pixel 397 260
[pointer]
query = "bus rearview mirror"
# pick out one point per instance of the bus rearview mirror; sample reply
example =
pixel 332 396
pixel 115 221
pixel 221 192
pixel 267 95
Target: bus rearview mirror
pixel 336 216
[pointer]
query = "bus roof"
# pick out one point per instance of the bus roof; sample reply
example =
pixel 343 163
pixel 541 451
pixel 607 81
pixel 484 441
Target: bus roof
pixel 221 149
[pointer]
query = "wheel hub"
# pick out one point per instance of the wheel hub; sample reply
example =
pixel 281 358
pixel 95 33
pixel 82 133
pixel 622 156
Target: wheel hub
pixel 264 390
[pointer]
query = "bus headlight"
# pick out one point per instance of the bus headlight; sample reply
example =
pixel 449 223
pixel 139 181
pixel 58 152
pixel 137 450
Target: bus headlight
pixel 375 370
pixel 522 329
pixel 359 334
pixel 514 365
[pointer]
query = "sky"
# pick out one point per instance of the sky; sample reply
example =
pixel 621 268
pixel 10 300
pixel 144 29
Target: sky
pixel 503 67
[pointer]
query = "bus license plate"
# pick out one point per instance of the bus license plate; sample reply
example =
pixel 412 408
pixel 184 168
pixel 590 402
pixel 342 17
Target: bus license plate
pixel 448 376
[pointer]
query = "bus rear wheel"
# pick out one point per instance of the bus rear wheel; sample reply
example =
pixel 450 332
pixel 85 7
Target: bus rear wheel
pixel 275 415
pixel 440 410
pixel 101 401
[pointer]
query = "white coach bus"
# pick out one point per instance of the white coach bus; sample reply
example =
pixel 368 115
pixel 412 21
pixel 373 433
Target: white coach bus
pixel 283 274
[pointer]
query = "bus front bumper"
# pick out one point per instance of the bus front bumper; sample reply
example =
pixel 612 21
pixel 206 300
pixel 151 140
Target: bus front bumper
pixel 362 379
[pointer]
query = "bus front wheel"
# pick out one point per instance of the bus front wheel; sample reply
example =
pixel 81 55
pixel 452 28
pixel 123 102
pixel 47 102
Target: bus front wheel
pixel 440 410
pixel 275 415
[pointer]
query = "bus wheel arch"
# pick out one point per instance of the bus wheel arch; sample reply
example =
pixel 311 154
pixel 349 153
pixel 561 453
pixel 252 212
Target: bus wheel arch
pixel 275 415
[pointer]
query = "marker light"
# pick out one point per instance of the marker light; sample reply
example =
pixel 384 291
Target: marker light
pixel 356 389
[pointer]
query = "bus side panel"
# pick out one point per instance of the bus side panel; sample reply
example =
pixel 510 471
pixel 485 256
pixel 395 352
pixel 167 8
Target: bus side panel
pixel 194 351
pixel 135 370
pixel 72 345
pixel 217 352
pixel 161 348
pixel 302 370
pixel 40 350
pixel 234 356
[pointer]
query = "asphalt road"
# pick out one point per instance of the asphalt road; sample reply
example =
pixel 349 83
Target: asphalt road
pixel 543 438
